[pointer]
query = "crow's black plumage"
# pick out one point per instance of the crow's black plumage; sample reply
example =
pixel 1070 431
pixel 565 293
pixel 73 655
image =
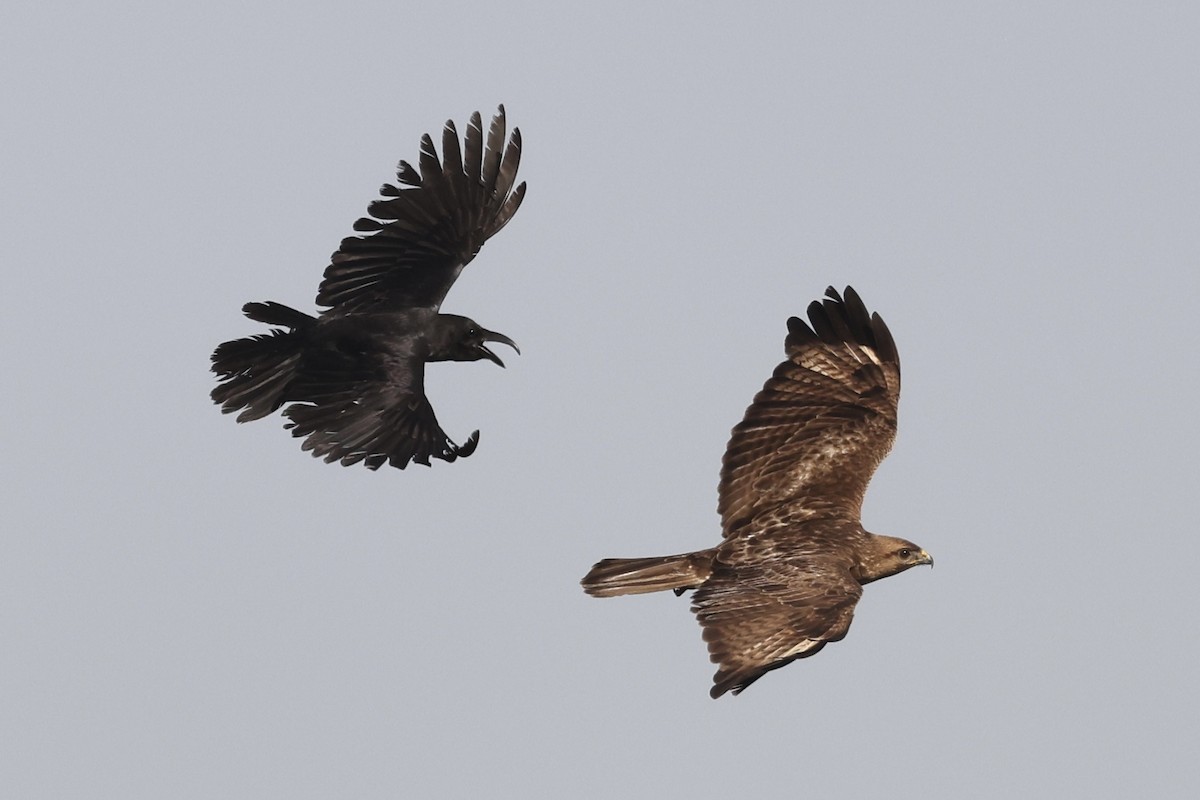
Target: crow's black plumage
pixel 353 377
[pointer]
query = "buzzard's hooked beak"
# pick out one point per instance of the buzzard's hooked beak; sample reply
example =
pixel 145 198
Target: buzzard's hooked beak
pixel 925 558
pixel 492 336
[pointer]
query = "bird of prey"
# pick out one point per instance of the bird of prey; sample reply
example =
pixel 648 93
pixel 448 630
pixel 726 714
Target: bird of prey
pixel 354 376
pixel 794 556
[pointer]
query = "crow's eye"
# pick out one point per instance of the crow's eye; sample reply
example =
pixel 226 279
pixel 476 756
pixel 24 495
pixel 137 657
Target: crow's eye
pixel 905 552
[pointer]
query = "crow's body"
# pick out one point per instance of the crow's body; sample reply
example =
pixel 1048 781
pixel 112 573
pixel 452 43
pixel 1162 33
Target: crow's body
pixel 353 377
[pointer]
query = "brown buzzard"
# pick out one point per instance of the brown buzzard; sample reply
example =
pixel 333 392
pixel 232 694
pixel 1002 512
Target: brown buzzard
pixel 355 375
pixel 784 581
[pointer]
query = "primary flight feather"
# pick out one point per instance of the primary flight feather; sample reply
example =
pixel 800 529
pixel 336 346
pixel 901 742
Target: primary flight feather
pixel 353 377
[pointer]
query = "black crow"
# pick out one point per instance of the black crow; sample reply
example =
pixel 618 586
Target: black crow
pixel 354 376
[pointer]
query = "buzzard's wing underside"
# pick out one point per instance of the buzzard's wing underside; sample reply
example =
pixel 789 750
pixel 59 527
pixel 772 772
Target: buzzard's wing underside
pixel 814 435
pixel 761 616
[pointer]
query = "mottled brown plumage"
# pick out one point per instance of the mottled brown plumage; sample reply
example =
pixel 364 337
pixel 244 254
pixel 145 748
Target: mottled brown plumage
pixel 355 375
pixel 794 557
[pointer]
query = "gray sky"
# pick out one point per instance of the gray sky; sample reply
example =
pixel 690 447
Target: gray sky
pixel 191 608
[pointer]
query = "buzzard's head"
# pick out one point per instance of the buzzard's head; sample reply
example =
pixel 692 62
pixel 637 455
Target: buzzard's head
pixel 889 555
pixel 456 338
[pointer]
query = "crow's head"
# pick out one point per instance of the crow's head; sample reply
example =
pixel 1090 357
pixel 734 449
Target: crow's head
pixel 456 338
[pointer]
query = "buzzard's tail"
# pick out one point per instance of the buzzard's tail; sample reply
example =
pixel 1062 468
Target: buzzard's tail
pixel 255 372
pixel 616 576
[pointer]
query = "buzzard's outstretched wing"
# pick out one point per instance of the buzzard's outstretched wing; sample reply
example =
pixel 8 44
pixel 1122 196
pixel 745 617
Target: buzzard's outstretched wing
pixel 762 615
pixel 814 435
pixel 424 232
pixel 376 413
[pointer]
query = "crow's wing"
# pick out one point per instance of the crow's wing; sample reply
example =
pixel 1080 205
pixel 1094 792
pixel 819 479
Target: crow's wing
pixel 374 411
pixel 424 231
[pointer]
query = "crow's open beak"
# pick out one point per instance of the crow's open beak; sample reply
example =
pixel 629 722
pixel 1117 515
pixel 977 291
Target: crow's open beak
pixel 492 336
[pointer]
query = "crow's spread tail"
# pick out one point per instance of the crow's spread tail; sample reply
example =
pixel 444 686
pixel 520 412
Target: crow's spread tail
pixel 255 372
pixel 616 576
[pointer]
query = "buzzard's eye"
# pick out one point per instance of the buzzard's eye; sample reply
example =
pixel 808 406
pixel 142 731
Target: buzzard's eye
pixel 904 552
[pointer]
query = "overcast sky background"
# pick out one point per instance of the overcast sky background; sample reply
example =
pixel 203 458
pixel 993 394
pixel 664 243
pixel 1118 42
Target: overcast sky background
pixel 191 608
